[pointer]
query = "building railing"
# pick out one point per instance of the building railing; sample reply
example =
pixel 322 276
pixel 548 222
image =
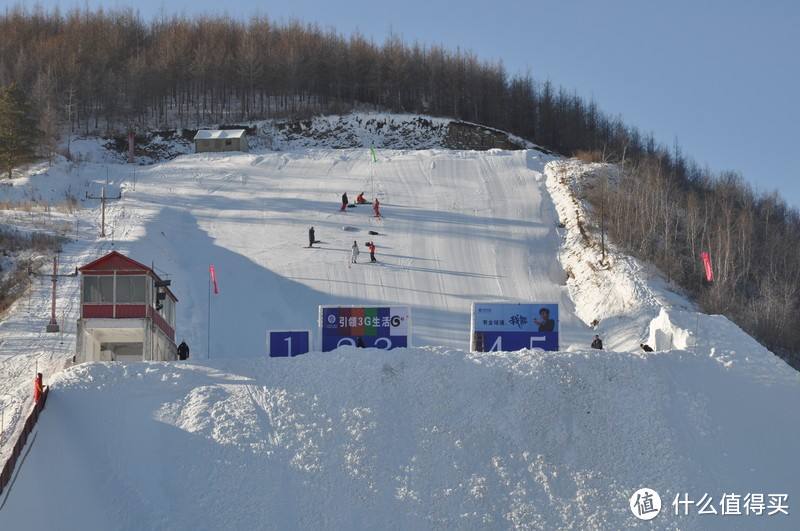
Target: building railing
pixel 10 465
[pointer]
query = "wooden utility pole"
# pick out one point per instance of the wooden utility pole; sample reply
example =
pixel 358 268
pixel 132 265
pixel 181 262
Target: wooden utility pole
pixel 103 198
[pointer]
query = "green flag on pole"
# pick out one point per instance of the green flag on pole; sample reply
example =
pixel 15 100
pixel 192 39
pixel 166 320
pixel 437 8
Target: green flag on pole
pixel 374 156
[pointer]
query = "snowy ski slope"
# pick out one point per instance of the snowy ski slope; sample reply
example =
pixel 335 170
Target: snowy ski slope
pixel 420 438
pixel 457 227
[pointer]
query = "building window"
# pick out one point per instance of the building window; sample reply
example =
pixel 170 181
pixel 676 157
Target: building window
pixel 167 311
pixel 98 289
pixel 229 142
pixel 131 289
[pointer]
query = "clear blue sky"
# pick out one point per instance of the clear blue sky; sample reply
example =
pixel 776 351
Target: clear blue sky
pixel 721 77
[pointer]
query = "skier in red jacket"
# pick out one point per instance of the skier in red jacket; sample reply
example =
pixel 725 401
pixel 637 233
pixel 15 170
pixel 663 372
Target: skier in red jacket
pixel 376 208
pixel 371 247
pixel 38 388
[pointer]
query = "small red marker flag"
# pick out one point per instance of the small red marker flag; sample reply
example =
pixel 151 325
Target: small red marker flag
pixel 213 278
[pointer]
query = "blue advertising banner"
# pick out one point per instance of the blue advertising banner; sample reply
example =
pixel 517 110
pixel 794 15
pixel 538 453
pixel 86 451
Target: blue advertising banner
pixel 288 343
pixel 502 326
pixel 385 327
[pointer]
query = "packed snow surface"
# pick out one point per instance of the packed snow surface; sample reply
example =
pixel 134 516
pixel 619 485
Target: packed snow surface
pixel 428 437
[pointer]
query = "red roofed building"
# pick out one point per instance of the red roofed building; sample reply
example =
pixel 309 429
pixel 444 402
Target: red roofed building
pixel 127 312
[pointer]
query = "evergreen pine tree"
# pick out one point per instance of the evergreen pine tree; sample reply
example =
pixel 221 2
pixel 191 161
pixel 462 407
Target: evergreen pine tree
pixel 19 129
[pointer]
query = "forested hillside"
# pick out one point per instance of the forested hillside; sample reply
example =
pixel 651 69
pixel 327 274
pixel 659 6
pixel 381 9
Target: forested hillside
pixel 99 71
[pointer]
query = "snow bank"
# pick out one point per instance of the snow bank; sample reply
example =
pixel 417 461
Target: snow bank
pixel 621 294
pixel 408 439
pixel 600 289
pixel 716 337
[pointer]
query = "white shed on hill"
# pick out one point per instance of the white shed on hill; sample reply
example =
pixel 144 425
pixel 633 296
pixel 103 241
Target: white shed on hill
pixel 220 140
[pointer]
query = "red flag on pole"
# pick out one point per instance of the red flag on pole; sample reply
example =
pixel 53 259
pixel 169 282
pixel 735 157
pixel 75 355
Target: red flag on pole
pixel 707 264
pixel 213 278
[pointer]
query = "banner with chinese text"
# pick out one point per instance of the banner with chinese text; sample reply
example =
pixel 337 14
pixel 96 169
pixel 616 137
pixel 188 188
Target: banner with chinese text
pixel 385 327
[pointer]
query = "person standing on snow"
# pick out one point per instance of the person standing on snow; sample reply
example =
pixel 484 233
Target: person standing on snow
pixel 597 343
pixel 38 388
pixel 311 237
pixel 344 202
pixel 355 253
pixel 371 247
pixel 376 208
pixel 183 351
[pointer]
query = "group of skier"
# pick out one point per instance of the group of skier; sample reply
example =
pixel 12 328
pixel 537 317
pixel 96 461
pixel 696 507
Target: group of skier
pixel 376 210
pixel 361 200
pixel 354 252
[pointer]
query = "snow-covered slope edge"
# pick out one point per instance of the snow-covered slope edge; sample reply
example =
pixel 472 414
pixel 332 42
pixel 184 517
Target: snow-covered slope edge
pixel 628 300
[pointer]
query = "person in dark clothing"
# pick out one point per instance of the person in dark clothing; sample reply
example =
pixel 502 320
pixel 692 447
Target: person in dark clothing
pixel 183 351
pixel 597 343
pixel 545 323
pixel 344 201
pixel 371 247
pixel 646 347
pixel 311 237
pixel 360 342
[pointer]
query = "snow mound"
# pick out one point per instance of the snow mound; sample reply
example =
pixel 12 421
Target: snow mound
pixel 407 439
pixel 717 337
